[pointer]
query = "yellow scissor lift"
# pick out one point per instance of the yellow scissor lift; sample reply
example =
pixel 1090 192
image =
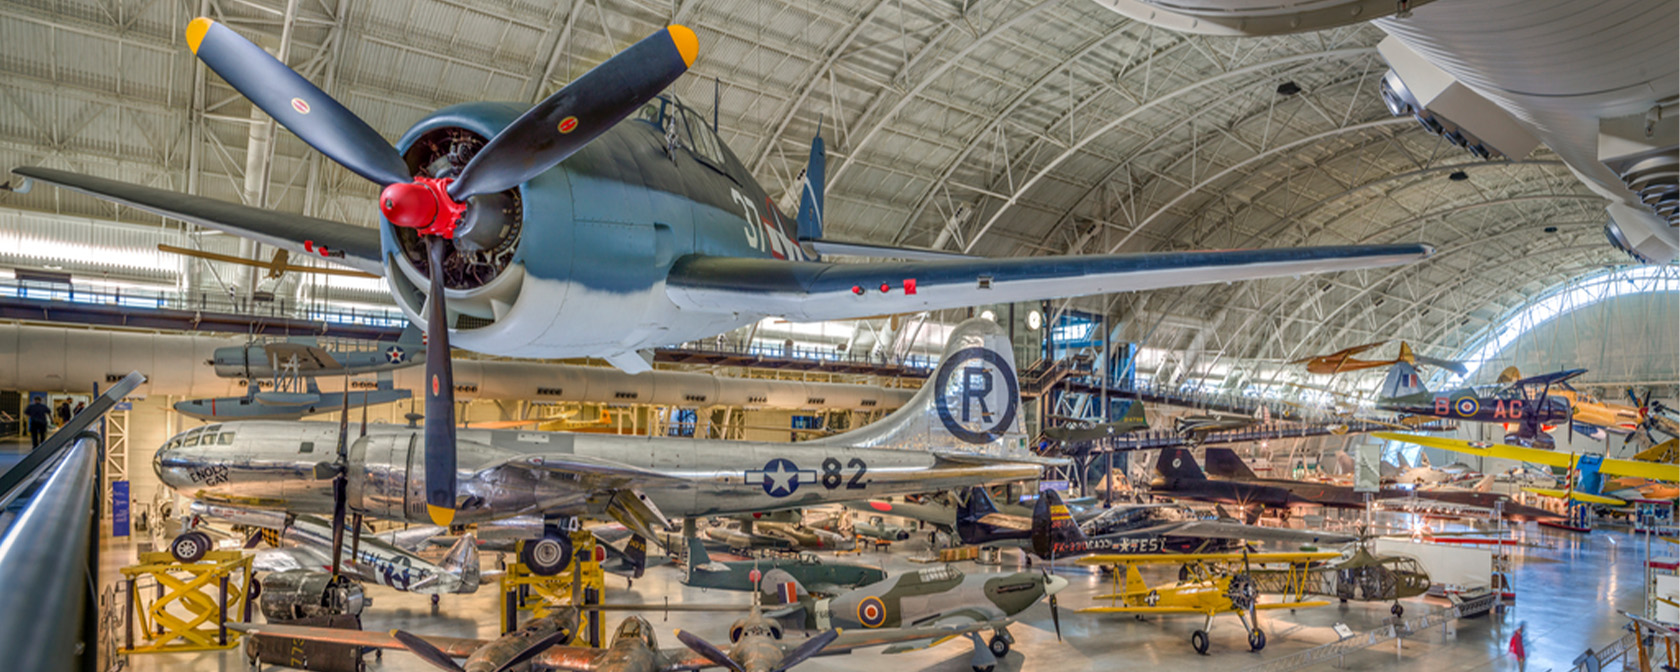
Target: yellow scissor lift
pixel 192 604
pixel 581 584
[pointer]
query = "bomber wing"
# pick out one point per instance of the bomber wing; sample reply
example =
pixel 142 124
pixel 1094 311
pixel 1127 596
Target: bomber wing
pixel 1615 467
pixel 808 291
pixel 295 233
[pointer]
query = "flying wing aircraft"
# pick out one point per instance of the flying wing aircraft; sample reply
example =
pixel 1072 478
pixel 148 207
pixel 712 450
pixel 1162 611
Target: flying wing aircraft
pixel 610 205
pixel 962 428
pixel 1211 587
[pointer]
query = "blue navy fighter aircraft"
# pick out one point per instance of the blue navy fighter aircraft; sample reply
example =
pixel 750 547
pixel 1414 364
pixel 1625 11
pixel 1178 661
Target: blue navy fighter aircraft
pixel 609 219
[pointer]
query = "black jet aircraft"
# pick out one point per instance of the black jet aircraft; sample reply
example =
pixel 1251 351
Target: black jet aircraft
pixel 1178 476
pixel 609 219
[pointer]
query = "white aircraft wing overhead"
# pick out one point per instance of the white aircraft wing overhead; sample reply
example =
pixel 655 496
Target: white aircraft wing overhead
pixel 809 291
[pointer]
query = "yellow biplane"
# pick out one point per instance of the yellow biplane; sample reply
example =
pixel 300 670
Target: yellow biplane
pixel 1209 584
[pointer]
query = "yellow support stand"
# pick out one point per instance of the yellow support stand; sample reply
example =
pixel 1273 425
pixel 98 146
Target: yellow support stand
pixel 193 605
pixel 584 581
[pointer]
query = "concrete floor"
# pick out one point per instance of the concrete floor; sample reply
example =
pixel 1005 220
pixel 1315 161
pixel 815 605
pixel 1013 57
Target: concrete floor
pixel 1569 588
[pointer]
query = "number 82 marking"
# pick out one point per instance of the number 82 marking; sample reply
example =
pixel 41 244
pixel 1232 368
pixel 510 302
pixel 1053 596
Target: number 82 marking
pixel 832 476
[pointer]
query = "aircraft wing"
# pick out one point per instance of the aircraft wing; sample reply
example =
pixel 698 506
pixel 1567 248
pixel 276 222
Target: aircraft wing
pixel 359 245
pixel 311 357
pixel 1303 604
pixel 1141 610
pixel 913 638
pixel 1182 558
pixel 603 473
pixel 283 559
pixel 454 647
pixel 1577 496
pixel 1213 529
pixel 1610 466
pixel 809 291
pixel 1552 378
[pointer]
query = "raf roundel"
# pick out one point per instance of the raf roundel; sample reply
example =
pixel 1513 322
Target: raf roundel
pixel 1467 406
pixel 969 380
pixel 871 612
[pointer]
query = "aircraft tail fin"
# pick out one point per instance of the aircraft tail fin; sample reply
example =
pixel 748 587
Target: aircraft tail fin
pixel 1588 479
pixel 811 201
pixel 1485 484
pixel 1053 525
pixel 971 404
pixel 1135 414
pixel 779 587
pixel 1180 464
pixel 462 560
pixel 976 505
pixel 1423 459
pixel 1402 381
pixel 1224 463
pixel 411 336
pixel 635 554
pixel 697 556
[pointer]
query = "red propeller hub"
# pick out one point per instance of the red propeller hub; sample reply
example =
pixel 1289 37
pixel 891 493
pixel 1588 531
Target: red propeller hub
pixel 423 204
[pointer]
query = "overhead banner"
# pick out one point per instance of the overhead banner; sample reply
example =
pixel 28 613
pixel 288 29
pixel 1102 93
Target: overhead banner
pixel 119 508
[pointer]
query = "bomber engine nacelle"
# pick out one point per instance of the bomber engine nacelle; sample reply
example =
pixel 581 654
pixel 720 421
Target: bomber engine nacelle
pixel 300 593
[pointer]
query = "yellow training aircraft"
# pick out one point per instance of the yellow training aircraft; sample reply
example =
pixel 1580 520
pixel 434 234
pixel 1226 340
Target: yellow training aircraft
pixel 1209 584
pixel 1588 469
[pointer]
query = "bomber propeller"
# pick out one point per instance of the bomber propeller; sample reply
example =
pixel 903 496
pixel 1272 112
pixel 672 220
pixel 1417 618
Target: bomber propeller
pixel 544 136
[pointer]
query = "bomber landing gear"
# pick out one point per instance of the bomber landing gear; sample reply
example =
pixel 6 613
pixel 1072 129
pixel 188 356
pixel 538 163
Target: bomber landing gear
pixel 547 556
pixel 190 546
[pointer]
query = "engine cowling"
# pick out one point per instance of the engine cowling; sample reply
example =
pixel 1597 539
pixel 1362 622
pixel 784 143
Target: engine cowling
pixel 299 593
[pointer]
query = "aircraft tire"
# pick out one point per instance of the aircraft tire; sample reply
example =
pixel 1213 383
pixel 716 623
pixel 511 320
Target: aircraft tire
pixel 190 546
pixel 1199 641
pixel 1397 610
pixel 999 646
pixel 547 556
pixel 1256 639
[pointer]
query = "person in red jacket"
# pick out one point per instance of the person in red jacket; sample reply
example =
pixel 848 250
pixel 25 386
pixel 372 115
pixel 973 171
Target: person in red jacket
pixel 1517 648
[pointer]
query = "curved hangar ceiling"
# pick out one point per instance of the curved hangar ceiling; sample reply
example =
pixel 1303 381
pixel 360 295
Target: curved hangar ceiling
pixel 1009 128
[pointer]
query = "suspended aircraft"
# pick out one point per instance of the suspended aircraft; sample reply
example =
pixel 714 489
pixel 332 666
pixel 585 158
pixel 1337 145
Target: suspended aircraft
pixel 1151 529
pixel 1211 586
pixel 1587 471
pixel 1588 410
pixel 608 204
pixel 1526 403
pixel 962 428
pixel 1343 360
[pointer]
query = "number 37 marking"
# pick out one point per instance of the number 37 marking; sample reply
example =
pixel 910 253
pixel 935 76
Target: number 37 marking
pixel 832 477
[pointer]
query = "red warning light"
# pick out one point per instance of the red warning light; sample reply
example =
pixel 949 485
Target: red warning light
pixel 856 289
pixel 885 288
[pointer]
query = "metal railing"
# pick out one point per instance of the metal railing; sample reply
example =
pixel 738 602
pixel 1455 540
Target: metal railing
pixel 200 301
pixel 48 547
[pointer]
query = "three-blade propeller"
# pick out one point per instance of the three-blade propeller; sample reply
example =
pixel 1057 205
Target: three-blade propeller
pixel 544 136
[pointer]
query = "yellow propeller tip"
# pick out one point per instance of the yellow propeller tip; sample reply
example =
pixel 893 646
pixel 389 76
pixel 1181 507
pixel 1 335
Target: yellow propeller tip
pixel 687 44
pixel 442 516
pixel 196 31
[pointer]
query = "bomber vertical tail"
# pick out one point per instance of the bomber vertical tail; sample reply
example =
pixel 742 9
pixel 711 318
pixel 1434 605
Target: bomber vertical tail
pixel 1178 463
pixel 811 201
pixel 1224 463
pixel 970 405
pixel 1053 525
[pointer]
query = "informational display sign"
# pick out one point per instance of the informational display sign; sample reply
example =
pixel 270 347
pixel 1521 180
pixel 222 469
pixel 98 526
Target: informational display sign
pixel 119 508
